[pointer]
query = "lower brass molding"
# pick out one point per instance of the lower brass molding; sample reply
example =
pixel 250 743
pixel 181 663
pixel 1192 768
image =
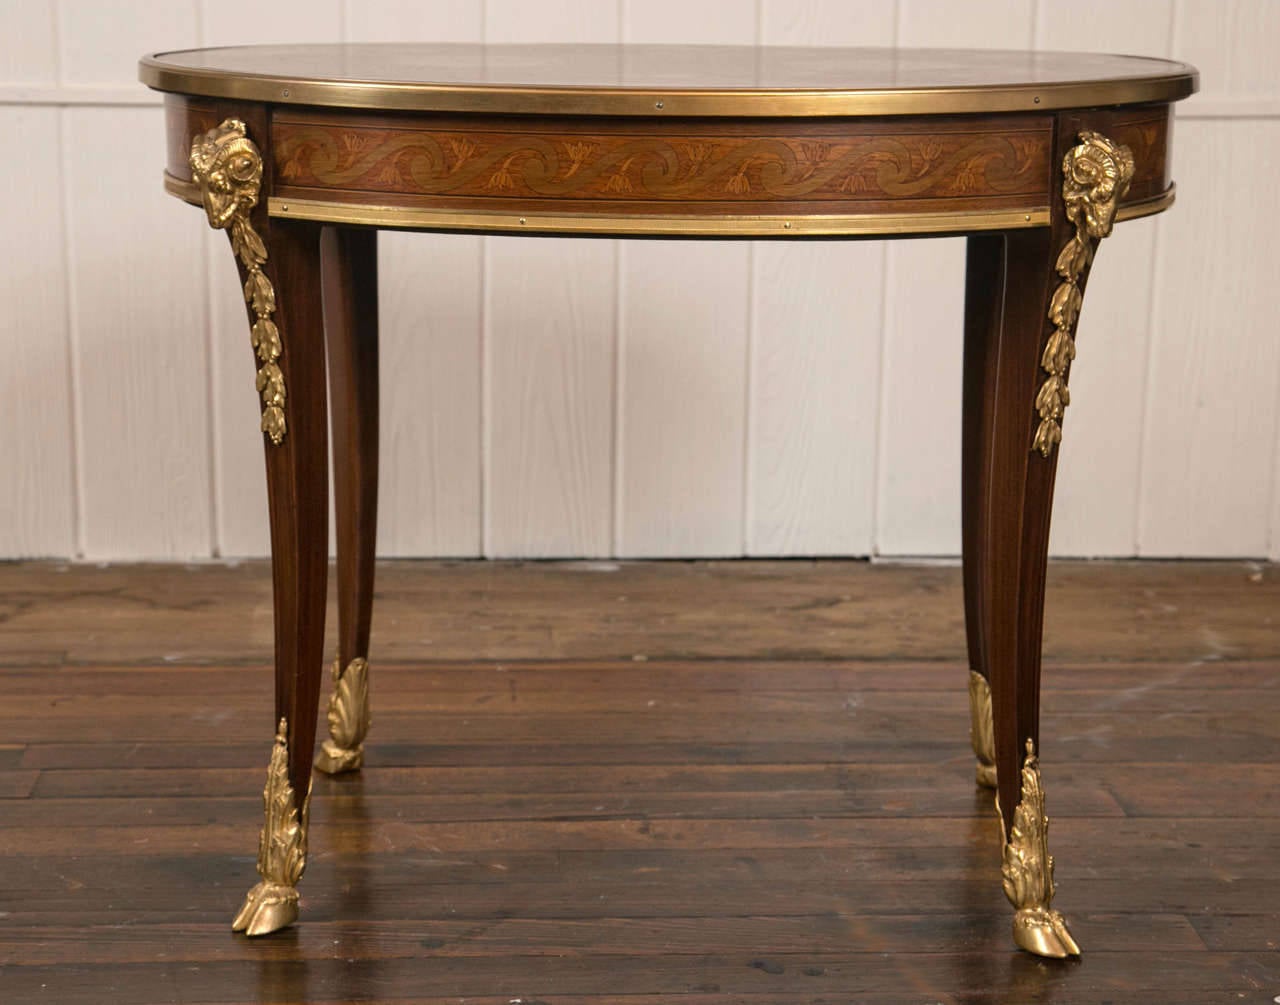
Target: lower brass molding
pixel 348 719
pixel 282 849
pixel 981 731
pixel 1028 871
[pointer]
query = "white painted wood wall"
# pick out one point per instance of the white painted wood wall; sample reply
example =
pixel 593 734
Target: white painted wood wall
pixel 589 398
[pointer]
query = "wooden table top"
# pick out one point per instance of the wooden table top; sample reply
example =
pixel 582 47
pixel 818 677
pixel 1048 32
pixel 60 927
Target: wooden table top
pixel 738 81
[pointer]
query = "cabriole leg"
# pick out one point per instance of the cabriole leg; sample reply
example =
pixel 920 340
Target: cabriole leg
pixel 350 265
pixel 983 310
pixel 279 266
pixel 1025 356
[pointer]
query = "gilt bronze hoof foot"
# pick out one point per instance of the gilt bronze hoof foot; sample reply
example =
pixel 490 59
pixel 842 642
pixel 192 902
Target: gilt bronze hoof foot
pixel 268 907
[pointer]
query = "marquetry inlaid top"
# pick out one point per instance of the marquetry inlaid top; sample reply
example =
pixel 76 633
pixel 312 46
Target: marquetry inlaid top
pixel 737 81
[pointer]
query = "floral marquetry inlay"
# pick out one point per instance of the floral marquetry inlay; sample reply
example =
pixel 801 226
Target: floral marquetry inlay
pixel 719 166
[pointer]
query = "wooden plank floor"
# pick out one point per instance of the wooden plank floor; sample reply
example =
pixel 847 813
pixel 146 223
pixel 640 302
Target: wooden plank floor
pixel 706 783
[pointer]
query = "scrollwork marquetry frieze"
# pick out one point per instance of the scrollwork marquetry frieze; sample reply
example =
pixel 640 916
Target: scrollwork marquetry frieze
pixel 227 167
pixel 1096 175
pixel 625 166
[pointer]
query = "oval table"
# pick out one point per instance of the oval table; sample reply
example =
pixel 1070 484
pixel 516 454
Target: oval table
pixel 301 153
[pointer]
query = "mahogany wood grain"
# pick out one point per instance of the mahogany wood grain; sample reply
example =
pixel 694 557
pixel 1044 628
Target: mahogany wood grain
pixel 1015 499
pixel 349 262
pixel 297 471
pixel 983 310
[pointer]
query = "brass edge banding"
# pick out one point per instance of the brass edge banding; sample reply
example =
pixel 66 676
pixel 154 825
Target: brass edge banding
pixel 762 103
pixel 1147 207
pixel 613 225
pixel 344 213
pixel 187 191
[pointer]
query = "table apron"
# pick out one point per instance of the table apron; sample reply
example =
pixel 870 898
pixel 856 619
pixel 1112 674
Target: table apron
pixel 856 177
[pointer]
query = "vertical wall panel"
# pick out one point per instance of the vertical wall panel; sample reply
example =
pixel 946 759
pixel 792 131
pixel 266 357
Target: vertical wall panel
pixel 682 370
pixel 1212 390
pixel 429 465
pixel 28 46
pixel 101 42
pixel 682 390
pixel 816 335
pixel 549 340
pixel 1233 43
pixel 239 472
pixel 918 492
pixel 414 20
pixel 1274 551
pixel 240 483
pixel 138 317
pixel 430 298
pixel 918 482
pixel 549 344
pixel 990 24
pixel 707 22
pixel 813 396
pixel 1096 499
pixel 1140 29
pixel 828 22
pixel 551 21
pixel 36 444
pixel 252 22
pixel 788 394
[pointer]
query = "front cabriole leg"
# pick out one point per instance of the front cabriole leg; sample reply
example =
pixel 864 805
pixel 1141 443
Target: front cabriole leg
pixel 1021 356
pixel 1096 174
pixel 282 295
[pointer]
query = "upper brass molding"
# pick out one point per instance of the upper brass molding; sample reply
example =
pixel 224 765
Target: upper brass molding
pixel 348 718
pixel 1028 871
pixel 1096 174
pixel 981 730
pixel 282 849
pixel 227 168
pixel 1167 81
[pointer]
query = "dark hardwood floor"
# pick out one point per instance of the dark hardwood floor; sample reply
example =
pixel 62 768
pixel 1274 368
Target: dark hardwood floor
pixel 705 783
